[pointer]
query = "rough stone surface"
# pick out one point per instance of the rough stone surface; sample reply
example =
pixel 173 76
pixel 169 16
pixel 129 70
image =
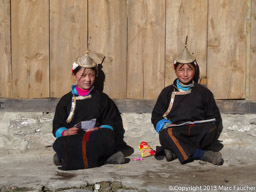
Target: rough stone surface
pixel 26 159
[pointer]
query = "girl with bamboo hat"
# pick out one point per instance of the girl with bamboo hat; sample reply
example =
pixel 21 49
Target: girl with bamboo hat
pixel 87 123
pixel 186 116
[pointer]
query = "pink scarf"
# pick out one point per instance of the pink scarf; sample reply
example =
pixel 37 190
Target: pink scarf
pixel 82 92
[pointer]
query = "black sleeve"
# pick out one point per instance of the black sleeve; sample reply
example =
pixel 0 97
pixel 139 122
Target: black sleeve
pixel 111 116
pixel 212 111
pixel 161 106
pixel 61 114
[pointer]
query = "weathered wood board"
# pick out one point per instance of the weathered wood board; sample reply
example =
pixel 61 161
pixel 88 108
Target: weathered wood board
pixel 226 65
pixel 68 40
pixel 252 72
pixel 5 50
pixel 186 18
pixel 30 48
pixel 40 39
pixel 146 48
pixel 107 35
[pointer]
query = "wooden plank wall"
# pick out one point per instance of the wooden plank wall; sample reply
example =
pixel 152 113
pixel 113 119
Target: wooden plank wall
pixel 68 40
pixel 107 28
pixel 146 48
pixel 30 48
pixel 140 39
pixel 227 48
pixel 5 49
pixel 185 18
pixel 252 75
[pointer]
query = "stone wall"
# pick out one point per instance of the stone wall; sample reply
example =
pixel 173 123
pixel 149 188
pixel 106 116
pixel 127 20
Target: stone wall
pixel 21 131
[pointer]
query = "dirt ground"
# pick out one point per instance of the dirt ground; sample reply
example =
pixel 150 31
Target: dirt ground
pixel 33 170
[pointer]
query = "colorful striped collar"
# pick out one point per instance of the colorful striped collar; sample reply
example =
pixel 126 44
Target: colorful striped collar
pixel 75 92
pixel 183 87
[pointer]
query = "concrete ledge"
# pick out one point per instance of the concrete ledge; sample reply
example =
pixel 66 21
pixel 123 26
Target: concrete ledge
pixel 28 105
pixel 124 105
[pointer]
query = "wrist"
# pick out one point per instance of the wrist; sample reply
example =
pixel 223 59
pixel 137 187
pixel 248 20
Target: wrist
pixel 64 133
pixel 59 132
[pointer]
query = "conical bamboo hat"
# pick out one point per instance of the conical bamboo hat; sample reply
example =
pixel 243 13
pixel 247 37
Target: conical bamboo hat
pixel 185 56
pixel 86 61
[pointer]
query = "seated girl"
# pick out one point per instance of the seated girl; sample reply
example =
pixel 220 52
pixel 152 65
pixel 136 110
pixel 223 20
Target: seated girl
pixel 87 123
pixel 178 107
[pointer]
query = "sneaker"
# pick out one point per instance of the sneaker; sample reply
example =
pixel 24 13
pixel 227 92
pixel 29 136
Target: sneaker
pixel 213 157
pixel 116 158
pixel 170 156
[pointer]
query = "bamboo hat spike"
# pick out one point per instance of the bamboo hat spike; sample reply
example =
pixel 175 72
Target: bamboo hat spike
pixel 185 56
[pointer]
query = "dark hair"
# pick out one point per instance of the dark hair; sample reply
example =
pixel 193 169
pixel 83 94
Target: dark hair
pixel 79 67
pixel 76 70
pixel 196 67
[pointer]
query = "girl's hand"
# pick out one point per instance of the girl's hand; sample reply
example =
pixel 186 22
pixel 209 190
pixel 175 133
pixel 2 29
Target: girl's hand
pixel 71 131
pixel 93 129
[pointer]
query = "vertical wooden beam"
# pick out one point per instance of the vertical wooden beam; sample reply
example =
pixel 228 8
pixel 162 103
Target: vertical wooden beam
pixel 68 40
pixel 5 50
pixel 253 53
pixel 146 48
pixel 186 18
pixel 30 48
pixel 135 68
pixel 107 28
pixel 248 49
pixel 227 48
pixel 154 48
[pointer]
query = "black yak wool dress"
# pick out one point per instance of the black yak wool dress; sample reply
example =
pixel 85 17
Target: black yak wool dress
pixel 175 107
pixel 87 149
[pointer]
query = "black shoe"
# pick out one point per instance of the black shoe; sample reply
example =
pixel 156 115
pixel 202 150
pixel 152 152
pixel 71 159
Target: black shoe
pixel 56 160
pixel 213 157
pixel 116 158
pixel 170 156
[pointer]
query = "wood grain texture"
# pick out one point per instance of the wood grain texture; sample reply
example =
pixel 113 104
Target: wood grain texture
pixel 40 39
pixel 135 58
pixel 185 18
pixel 5 50
pixel 146 48
pixel 227 48
pixel 30 48
pixel 252 73
pixel 68 40
pixel 107 28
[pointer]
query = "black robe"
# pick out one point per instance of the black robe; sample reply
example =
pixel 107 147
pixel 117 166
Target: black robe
pixel 88 149
pixel 194 105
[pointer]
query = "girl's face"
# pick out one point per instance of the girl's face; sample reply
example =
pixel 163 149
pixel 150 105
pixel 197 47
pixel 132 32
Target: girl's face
pixel 185 73
pixel 85 78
